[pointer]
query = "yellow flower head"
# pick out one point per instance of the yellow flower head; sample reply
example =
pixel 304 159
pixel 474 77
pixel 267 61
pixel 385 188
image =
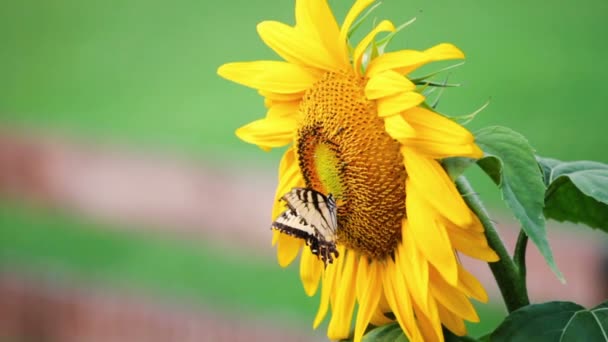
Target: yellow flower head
pixel 358 130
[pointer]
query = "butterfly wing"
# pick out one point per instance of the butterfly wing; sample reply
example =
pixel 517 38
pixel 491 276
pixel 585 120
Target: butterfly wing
pixel 310 216
pixel 290 223
pixel 318 209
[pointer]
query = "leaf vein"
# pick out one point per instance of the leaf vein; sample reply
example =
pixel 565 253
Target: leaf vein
pixel 561 336
pixel 600 325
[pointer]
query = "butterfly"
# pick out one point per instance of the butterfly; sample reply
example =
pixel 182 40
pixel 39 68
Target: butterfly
pixel 311 216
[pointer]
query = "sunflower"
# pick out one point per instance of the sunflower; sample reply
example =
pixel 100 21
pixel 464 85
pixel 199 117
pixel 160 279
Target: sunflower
pixel 357 127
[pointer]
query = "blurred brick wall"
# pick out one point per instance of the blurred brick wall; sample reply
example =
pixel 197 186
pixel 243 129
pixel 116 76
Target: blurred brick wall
pixel 34 308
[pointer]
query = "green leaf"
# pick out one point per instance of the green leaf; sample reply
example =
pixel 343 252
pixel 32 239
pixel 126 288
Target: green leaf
pixel 455 166
pixel 451 337
pixel 509 160
pixel 386 333
pixel 484 338
pixel 577 191
pixel 555 322
pixel 546 166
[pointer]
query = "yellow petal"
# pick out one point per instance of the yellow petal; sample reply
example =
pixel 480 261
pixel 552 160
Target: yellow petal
pixel 438 150
pixel 398 103
pixel 344 304
pixel 431 238
pixel 472 244
pixel 434 185
pixel 275 236
pixel 398 128
pixel 273 76
pixel 414 267
pixel 362 277
pixel 387 83
pixel 396 61
pixel 397 296
pixel 295 46
pixel 272 97
pixel 358 7
pixel 385 26
pixel 378 318
pixel 444 51
pixel 288 248
pixel 451 321
pixel 470 240
pixel 315 18
pixel 289 178
pixel 269 132
pixel 429 322
pixel 310 271
pixel 440 52
pixel 450 297
pixel 469 235
pixel 470 285
pixel 329 276
pixel 439 137
pixel 339 265
pixel 369 299
pixel 284 109
pixel 476 226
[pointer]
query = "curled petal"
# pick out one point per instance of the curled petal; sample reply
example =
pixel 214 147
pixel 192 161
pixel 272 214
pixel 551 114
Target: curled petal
pixel 440 52
pixel 398 103
pixel 385 26
pixel 397 61
pixel 358 7
pixel 444 51
pixel 387 83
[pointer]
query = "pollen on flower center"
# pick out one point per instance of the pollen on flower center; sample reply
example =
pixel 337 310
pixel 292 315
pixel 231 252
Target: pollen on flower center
pixel 343 149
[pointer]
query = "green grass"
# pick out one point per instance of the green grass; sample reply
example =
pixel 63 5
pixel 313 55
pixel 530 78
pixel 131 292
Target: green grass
pixel 203 272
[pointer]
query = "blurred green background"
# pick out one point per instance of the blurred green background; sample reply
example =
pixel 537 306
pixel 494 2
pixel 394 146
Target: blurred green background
pixel 144 73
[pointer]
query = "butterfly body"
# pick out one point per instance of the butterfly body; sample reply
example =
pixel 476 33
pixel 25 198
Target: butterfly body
pixel 311 216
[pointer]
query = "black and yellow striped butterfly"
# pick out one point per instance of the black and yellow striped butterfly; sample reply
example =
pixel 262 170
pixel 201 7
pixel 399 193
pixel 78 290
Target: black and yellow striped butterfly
pixel 311 216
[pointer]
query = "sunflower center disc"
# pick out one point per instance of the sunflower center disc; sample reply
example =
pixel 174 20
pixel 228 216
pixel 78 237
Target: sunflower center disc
pixel 343 149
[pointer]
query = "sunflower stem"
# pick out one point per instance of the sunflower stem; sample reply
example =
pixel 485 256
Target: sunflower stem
pixel 519 255
pixel 510 281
